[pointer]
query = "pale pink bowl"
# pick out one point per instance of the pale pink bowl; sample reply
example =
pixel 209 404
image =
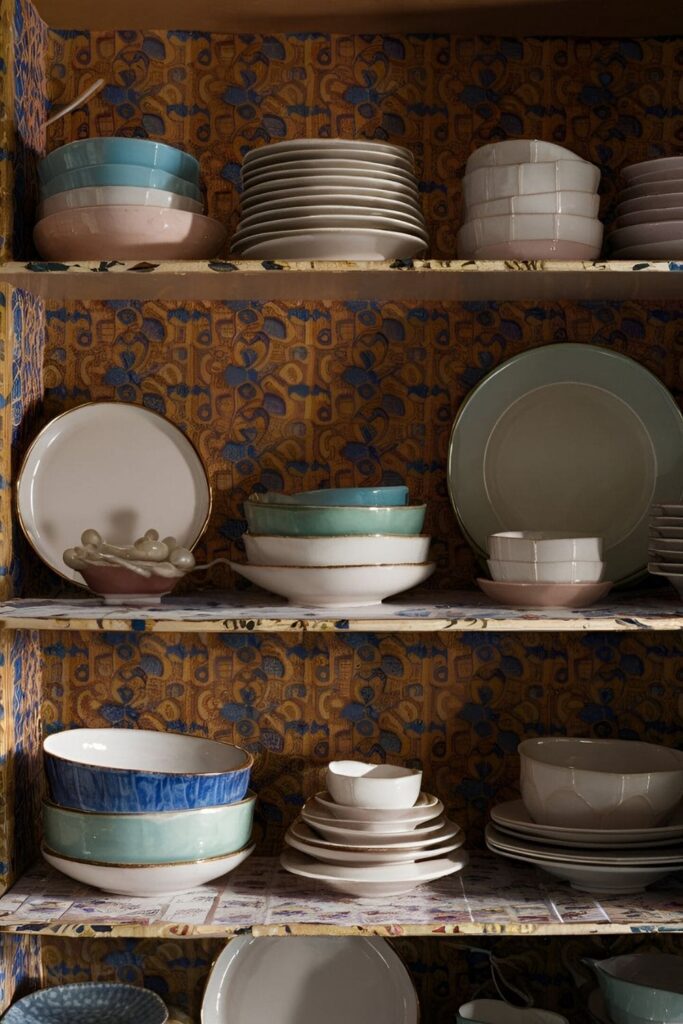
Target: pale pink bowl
pixel 128 233
pixel 544 595
pixel 121 586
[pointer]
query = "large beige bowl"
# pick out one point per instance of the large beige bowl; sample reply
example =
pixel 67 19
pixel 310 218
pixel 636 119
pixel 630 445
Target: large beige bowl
pixel 584 783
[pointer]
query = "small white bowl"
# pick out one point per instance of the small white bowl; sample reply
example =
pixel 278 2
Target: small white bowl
pixel 486 183
pixel 380 786
pixel 483 232
pixel 546 572
pixel 371 549
pixel 530 546
pixel 585 783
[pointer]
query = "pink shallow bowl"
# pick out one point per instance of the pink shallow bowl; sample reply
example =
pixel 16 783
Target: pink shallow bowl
pixel 128 233
pixel 116 584
pixel 544 595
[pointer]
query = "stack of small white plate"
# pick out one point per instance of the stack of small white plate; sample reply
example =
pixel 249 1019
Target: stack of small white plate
pixel 526 200
pixel 649 222
pixel 373 851
pixel 330 199
pixel 666 544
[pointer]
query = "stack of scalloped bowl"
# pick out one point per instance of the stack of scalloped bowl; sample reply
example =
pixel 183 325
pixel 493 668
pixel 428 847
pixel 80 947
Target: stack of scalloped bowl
pixel 527 200
pixel 145 813
pixel 343 547
pixel 373 833
pixel 649 223
pixel 666 544
pixel 124 199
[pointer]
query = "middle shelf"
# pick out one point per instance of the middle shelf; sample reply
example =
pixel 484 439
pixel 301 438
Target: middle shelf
pixel 492 897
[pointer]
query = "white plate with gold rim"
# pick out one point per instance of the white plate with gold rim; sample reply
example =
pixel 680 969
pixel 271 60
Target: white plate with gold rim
pixel 302 838
pixel 415 839
pixel 374 881
pixel 425 808
pixel 513 817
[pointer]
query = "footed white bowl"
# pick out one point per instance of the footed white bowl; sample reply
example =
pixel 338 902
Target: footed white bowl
pixel 350 586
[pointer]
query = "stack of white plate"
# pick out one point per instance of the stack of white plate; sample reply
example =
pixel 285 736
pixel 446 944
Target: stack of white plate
pixel 649 222
pixel 666 544
pixel 373 851
pixel 527 200
pixel 330 199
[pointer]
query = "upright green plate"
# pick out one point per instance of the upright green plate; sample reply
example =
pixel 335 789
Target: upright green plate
pixel 568 439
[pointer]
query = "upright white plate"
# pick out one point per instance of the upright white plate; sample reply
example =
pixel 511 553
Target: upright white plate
pixel 115 468
pixel 307 980
pixel 571 439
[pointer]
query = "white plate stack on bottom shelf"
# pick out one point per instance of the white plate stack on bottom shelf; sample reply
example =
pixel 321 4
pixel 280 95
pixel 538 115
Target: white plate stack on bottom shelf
pixel 604 815
pixel 374 833
pixel 649 223
pixel 330 199
pixel 666 544
pixel 529 200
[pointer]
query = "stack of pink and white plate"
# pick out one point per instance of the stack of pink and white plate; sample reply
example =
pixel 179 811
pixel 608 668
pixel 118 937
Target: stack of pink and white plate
pixel 649 224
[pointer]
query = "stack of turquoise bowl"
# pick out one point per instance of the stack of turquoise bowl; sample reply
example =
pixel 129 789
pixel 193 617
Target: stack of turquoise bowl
pixel 344 547
pixel 123 199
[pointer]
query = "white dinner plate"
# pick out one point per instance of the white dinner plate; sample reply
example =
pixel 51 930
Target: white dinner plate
pixel 365 199
pixel 671 200
pixel 307 192
pixel 113 467
pixel 308 980
pixel 650 188
pixel 514 818
pixel 426 807
pixel 570 439
pixel 345 182
pixel 320 168
pixel 336 244
pixel 306 214
pixel 671 164
pixel 350 145
pixel 301 837
pixel 374 882
pixel 268 158
pixel 364 833
pixel 656 856
pixel 260 231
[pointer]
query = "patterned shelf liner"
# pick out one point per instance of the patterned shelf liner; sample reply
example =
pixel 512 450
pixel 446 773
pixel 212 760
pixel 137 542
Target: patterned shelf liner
pixel 492 897
pixel 451 611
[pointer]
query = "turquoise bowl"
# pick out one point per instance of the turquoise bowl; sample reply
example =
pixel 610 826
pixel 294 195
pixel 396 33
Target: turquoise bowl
pixel 266 518
pixel 119 174
pixel 641 988
pixel 164 837
pixel 355 496
pixel 136 152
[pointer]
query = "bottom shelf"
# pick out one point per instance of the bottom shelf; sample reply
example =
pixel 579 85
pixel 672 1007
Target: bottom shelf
pixel 493 896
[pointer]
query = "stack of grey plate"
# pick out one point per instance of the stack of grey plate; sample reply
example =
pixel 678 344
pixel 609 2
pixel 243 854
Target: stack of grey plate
pixel 665 550
pixel 649 224
pixel 330 199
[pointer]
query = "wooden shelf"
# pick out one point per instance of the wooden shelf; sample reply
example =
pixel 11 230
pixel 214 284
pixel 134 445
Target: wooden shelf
pixel 493 896
pixel 467 17
pixel 408 280
pixel 455 611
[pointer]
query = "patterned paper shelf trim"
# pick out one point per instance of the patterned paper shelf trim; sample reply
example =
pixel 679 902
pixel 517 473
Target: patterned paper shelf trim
pixel 236 613
pixel 493 897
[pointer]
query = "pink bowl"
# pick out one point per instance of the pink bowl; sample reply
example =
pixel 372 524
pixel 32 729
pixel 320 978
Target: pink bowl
pixel 121 586
pixel 128 233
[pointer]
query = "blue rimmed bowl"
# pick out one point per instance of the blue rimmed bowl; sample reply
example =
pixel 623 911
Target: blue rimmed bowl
pixel 135 152
pixel 104 1002
pixel 141 770
pixel 119 174
pixel 343 496
pixel 165 837
pixel 264 517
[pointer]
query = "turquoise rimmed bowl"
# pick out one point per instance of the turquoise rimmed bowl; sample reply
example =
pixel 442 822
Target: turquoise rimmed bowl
pixel 136 152
pixel 167 837
pixel 356 496
pixel 266 518
pixel 119 174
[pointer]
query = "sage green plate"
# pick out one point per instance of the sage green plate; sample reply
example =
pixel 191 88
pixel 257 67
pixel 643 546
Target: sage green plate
pixel 570 439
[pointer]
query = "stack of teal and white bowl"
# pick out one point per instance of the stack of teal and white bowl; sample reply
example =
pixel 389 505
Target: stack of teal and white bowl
pixel 145 813
pixel 123 199
pixel 345 547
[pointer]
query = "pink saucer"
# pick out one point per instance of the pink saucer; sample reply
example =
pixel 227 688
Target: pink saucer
pixel 545 595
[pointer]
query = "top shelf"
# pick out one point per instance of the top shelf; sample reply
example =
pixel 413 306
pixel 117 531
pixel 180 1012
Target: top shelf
pixel 466 17
pixel 399 280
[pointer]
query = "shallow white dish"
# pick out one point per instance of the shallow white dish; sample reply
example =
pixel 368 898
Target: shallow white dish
pixel 334 244
pixel 301 837
pixel 359 784
pixel 379 881
pixel 369 549
pixel 308 980
pixel 319 195
pixel 523 450
pixel 512 816
pixel 372 833
pixel 303 184
pixel 487 183
pixel 484 232
pixel 258 232
pixel 658 164
pixel 642 857
pixel 117 195
pixel 546 572
pixel 580 204
pixel 535 546
pixel 518 151
pixel 149 880
pixel 351 586
pixel 327 215
pixel 73 478
pixel 426 807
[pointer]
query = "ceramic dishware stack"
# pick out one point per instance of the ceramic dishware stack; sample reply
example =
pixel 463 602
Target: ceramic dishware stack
pixel 525 199
pixel 345 547
pixel 637 988
pixel 330 199
pixel 86 1002
pixel 126 199
pixel 532 569
pixel 649 214
pixel 373 833
pixel 605 815
pixel 145 813
pixel 665 551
